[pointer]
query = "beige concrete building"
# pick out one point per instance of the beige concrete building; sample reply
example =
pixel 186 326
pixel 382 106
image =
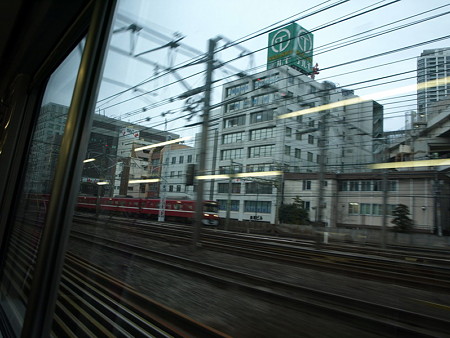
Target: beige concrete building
pixel 356 200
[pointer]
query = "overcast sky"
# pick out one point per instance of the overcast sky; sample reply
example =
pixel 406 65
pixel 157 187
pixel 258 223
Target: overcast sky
pixel 200 20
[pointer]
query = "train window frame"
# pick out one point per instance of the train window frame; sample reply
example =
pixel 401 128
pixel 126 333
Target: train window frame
pixel 93 18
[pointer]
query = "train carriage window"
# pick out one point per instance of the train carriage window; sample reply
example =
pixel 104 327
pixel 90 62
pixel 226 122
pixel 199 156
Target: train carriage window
pixel 123 259
pixel 37 182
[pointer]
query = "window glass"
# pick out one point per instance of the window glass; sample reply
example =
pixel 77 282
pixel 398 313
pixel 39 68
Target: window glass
pixel 258 188
pixel 266 115
pixel 262 207
pixel 36 193
pixel 266 92
pixel 234 205
pixel 261 134
pixel 261 151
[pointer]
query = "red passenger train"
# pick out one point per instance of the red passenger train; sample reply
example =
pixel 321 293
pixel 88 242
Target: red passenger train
pixel 183 210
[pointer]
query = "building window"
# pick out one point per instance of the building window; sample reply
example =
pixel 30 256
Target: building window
pixel 189 159
pixel 266 115
pixel 306 185
pixel 236 168
pixel 298 153
pixel 178 188
pixel 234 121
pixel 377 209
pixel 170 188
pixel 180 174
pixel 262 99
pixel 258 188
pixel 354 185
pixel 233 106
pixel 366 185
pixel 310 156
pixel 287 150
pixel 260 151
pixel 261 134
pixel 353 208
pixel 260 167
pixel 392 185
pixel 288 132
pixel 377 185
pixel 232 138
pixel 231 154
pixel 343 186
pixel 366 209
pixel 222 188
pixel 234 205
pixel 174 160
pixel 262 207
pixel 172 174
pixel 238 90
pixel 265 81
pixel 298 135
pixel 310 139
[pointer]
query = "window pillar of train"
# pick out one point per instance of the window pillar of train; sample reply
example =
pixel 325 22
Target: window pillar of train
pixel 40 224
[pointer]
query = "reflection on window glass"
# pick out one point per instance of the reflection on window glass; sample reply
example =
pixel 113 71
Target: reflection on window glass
pixel 136 201
pixel 37 185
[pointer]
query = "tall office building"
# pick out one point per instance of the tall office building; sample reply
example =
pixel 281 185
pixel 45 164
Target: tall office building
pixel 432 64
pixel 110 144
pixel 257 134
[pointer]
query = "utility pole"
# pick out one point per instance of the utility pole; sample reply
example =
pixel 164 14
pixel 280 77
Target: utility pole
pixel 385 185
pixel 384 208
pixel 203 144
pixel 230 185
pixel 437 205
pixel 214 161
pixel 162 193
pixel 279 197
pixel 322 153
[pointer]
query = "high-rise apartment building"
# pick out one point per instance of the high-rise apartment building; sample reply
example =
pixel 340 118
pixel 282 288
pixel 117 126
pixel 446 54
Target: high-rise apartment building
pixel 432 64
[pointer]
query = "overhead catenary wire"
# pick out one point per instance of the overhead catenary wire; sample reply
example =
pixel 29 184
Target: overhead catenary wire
pixel 353 61
pixel 332 23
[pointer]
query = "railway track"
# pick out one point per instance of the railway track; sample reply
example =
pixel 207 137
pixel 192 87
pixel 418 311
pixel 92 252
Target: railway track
pixel 366 315
pixel 91 303
pixel 393 268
